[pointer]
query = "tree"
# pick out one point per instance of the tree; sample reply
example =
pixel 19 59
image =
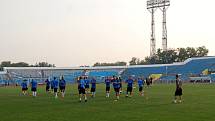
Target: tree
pixel 44 64
pixel 134 61
pixel 24 64
pixel 6 64
pixel 119 63
pixel 171 56
pixel 143 62
pixel 202 51
pixel 20 64
pixel 182 55
pixel 191 52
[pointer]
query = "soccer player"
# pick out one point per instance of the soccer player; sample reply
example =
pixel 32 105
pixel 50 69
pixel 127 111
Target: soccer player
pixel 116 86
pixel 129 82
pixel 62 85
pixel 178 91
pixel 148 82
pixel 87 85
pixel 93 87
pixel 81 89
pixel 140 84
pixel 47 85
pixel 107 83
pixel 55 86
pixel 24 87
pixel 151 79
pixel 34 87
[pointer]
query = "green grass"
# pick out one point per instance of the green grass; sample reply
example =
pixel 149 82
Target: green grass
pixel 198 105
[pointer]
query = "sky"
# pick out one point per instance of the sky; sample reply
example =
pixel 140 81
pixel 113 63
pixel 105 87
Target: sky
pixel 81 32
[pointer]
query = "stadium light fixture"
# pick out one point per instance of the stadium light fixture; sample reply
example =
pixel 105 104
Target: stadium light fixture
pixel 157 3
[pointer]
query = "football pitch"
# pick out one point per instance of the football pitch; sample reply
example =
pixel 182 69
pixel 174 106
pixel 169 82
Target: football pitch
pixel 198 105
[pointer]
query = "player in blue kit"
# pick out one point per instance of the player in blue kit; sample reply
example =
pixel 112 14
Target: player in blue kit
pixel 129 82
pixel 93 87
pixel 55 86
pixel 62 86
pixel 87 85
pixel 34 87
pixel 81 89
pixel 116 86
pixel 24 87
pixel 107 83
pixel 140 84
pixel 47 85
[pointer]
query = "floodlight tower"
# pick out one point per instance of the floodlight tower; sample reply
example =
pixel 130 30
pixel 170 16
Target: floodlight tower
pixel 151 8
pixel 164 4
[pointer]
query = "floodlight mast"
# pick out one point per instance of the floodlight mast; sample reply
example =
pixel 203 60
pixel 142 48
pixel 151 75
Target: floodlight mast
pixel 151 9
pixel 163 8
pixel 151 6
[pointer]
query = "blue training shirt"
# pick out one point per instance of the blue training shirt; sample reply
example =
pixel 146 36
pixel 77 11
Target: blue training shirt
pixel 116 83
pixel 130 82
pixel 82 83
pixel 47 82
pixel 24 84
pixel 33 84
pixel 140 83
pixel 55 83
pixel 87 82
pixel 93 83
pixel 62 83
pixel 107 82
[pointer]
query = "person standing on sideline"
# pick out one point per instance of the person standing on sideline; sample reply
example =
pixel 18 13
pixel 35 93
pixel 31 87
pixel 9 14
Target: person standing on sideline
pixel 148 82
pixel 34 87
pixel 151 80
pixel 178 91
pixel 55 86
pixel 62 85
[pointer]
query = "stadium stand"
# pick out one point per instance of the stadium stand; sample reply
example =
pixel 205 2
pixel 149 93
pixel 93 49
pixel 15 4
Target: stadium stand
pixel 3 79
pixel 192 67
pixel 212 77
